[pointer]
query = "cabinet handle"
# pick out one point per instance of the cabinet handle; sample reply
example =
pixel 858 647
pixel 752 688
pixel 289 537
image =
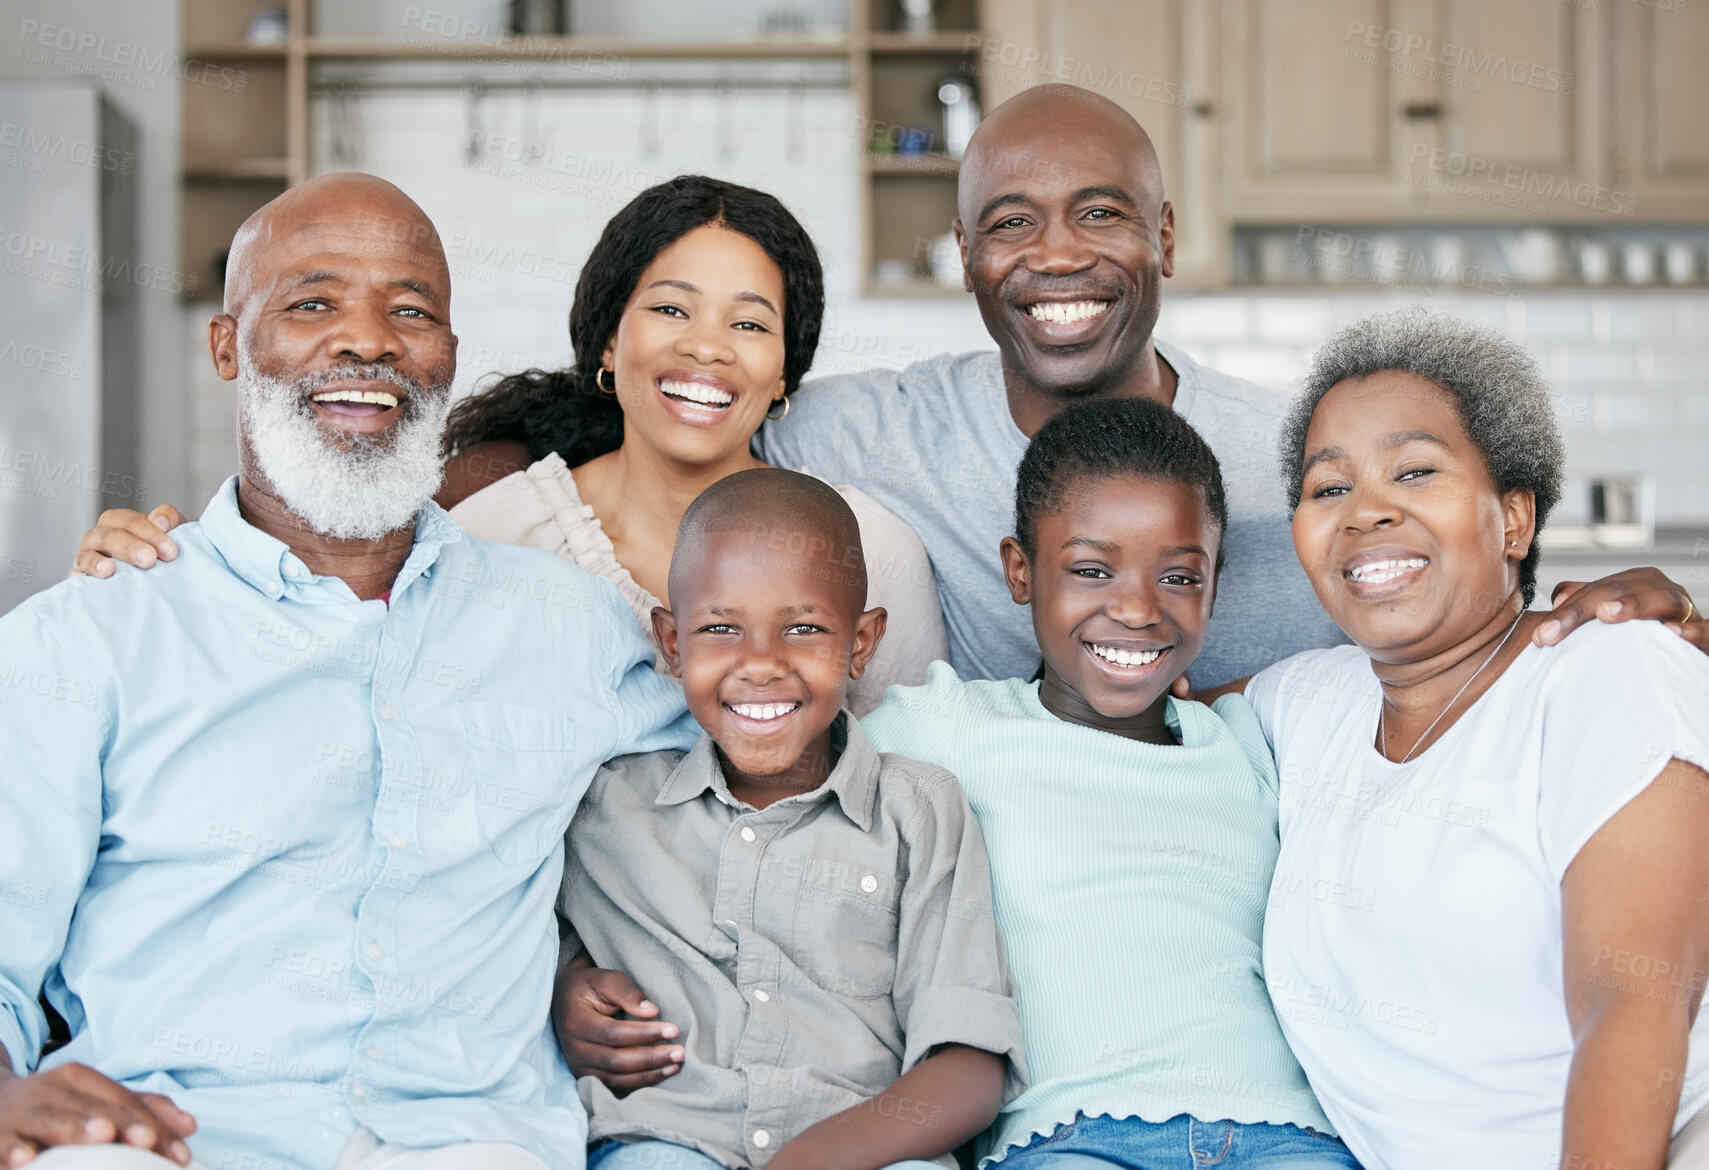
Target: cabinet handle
pixel 1203 109
pixel 1422 109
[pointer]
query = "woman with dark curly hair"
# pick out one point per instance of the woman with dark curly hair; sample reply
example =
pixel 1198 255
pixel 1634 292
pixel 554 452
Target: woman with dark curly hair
pixel 1488 930
pixel 695 317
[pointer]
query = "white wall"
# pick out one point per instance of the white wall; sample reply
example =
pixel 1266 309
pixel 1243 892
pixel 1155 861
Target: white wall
pixel 1629 369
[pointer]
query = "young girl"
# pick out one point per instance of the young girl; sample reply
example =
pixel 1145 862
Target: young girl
pixel 1132 836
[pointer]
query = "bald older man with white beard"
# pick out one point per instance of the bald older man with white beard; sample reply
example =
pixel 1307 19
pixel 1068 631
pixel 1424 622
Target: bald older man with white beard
pixel 280 832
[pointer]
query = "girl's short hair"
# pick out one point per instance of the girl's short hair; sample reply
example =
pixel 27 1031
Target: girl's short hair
pixel 564 410
pixel 1495 386
pixel 1107 438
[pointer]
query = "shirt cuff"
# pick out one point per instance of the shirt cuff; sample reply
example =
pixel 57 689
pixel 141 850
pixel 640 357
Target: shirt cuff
pixel 965 1015
pixel 17 1045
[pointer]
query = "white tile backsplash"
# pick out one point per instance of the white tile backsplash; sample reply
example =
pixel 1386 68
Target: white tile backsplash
pixel 1629 368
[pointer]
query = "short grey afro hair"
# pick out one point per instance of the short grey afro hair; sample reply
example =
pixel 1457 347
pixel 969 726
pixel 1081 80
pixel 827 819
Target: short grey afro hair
pixel 1503 401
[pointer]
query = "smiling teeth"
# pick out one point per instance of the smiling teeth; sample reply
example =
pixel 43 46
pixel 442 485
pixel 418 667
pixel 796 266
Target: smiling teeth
pixel 376 397
pixel 695 392
pixel 1376 572
pixel 1126 657
pixel 764 712
pixel 1066 314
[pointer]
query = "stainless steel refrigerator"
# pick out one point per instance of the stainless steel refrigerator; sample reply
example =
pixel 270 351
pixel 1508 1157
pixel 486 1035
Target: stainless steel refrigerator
pixel 69 284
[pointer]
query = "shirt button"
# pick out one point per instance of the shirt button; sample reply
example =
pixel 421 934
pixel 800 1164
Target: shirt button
pixel 385 710
pixel 374 951
pixel 374 1054
pixel 293 569
pixel 398 842
pixel 869 883
pixel 747 833
pixel 358 1091
pixel 761 996
pixel 762 1139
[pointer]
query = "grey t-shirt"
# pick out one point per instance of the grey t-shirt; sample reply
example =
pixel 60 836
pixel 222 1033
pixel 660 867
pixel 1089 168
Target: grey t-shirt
pixel 935 444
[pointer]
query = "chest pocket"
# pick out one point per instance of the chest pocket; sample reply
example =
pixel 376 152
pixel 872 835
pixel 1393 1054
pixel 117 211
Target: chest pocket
pixel 522 760
pixel 845 926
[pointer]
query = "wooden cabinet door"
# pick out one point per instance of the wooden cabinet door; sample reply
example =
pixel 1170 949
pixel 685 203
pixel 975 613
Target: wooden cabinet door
pixel 1661 104
pixel 1155 59
pixel 1316 129
pixel 1518 90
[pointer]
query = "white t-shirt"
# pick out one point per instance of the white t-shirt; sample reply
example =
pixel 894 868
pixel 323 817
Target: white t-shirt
pixel 1412 944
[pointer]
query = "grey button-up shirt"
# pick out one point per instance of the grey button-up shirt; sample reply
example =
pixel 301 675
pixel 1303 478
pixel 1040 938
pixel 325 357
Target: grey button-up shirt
pixel 811 952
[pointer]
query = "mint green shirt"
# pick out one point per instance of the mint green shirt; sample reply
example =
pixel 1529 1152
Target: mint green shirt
pixel 1129 881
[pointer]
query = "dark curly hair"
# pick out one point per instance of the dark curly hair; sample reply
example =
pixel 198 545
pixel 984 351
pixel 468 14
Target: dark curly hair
pixel 1108 438
pixel 563 410
pixel 1494 383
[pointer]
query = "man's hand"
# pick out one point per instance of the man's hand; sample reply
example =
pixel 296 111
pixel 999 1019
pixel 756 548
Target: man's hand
pixel 128 536
pixel 73 1105
pixel 1633 593
pixel 624 1054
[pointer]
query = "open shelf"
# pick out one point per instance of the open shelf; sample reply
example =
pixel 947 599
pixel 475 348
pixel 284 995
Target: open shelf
pixel 547 49
pixel 905 44
pixel 243 148
pixel 239 169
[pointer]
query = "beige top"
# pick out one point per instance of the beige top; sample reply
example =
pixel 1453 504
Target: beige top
pixel 541 508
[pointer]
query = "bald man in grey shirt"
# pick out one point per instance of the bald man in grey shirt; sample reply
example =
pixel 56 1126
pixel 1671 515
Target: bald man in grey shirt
pixel 1066 239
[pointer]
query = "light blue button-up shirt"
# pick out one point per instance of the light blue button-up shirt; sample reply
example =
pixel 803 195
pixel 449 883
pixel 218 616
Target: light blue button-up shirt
pixel 290 857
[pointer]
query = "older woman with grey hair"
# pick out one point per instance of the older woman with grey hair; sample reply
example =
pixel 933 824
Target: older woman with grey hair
pixel 1488 931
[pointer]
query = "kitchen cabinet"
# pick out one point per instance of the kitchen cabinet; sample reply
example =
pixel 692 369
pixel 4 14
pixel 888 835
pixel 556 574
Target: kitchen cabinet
pixel 1661 91
pixel 1416 110
pixel 1317 126
pixel 1523 132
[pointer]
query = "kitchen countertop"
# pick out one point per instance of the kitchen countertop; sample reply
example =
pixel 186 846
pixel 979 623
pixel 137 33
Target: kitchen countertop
pixel 1681 553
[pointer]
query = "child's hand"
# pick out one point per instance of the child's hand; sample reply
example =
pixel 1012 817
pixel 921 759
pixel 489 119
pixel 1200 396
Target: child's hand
pixel 73 1105
pixel 624 1054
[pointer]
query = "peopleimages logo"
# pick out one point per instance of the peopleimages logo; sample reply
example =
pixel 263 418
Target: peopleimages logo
pixel 1461 58
pixel 1478 177
pixel 44 144
pixel 76 266
pixel 120 62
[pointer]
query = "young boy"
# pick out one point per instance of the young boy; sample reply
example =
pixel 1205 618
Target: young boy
pixel 816 917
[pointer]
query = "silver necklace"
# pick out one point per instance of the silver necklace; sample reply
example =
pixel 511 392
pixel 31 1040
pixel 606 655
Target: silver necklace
pixel 1382 731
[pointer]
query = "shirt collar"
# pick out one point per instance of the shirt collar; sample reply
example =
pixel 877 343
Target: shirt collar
pixel 1186 374
pixel 854 781
pixel 265 561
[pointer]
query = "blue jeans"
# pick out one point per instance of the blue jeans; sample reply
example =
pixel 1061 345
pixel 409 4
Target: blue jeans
pixel 669 1156
pixel 1181 1143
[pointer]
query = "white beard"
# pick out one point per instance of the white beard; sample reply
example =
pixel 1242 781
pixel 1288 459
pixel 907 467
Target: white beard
pixel 363 491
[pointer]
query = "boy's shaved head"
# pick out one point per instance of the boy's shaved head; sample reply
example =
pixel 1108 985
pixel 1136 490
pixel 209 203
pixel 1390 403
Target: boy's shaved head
pixel 786 514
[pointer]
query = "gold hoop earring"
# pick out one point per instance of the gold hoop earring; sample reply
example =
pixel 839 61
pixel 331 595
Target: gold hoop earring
pixel 599 380
pixel 784 415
